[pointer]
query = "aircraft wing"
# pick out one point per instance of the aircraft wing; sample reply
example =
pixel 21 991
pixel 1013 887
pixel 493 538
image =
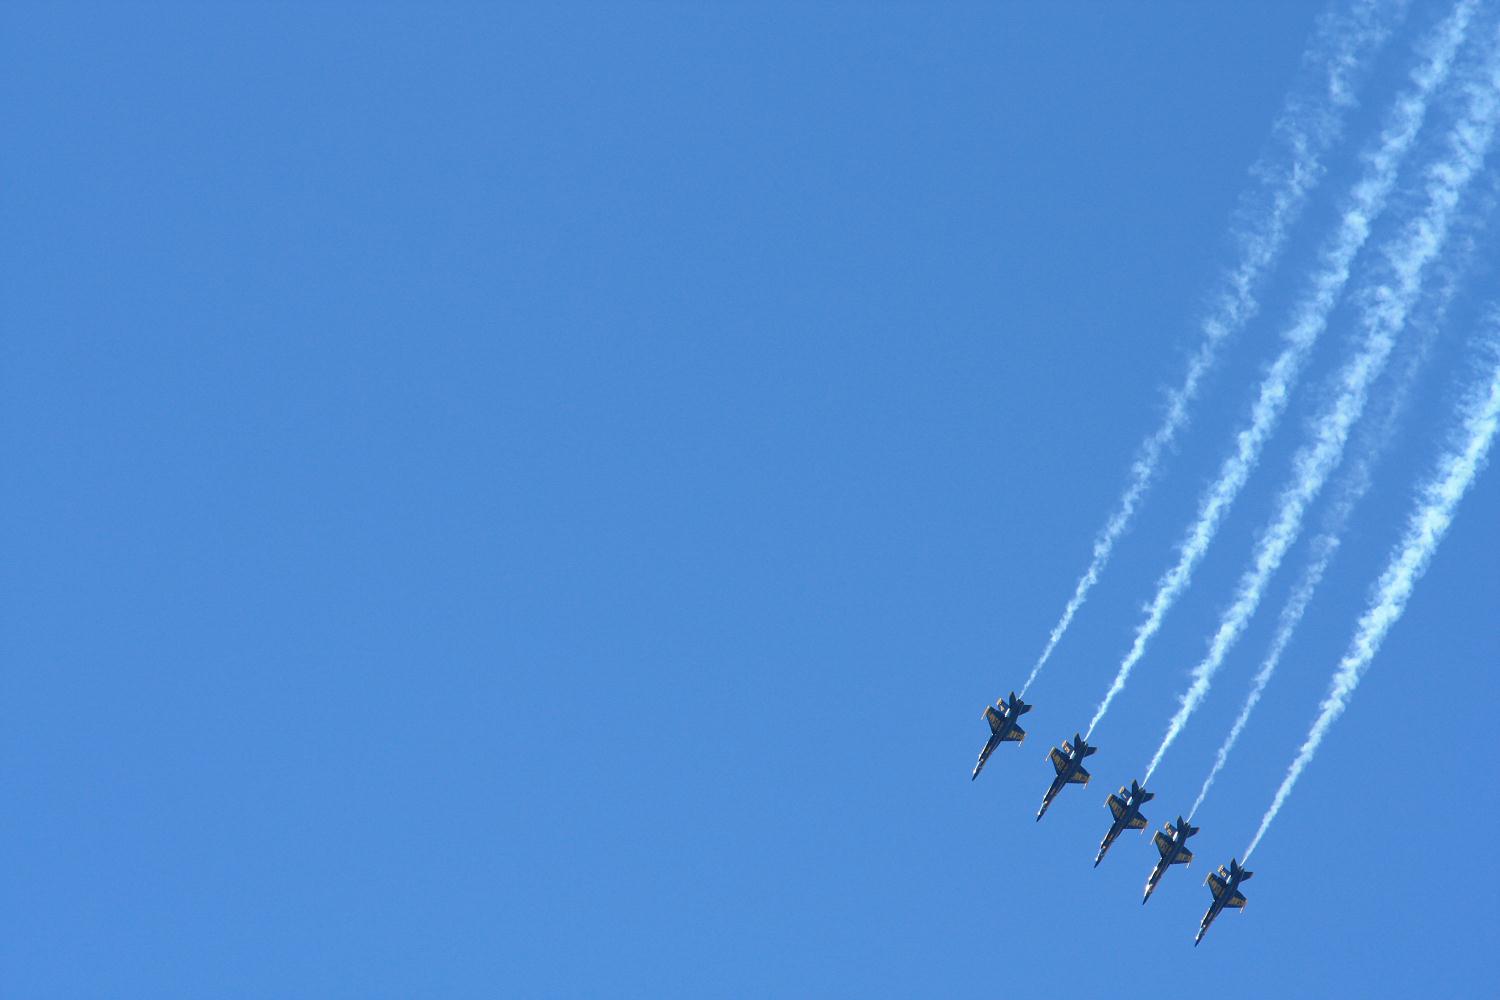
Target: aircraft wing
pixel 1237 901
pixel 1116 807
pixel 1058 760
pixel 1163 843
pixel 1216 885
pixel 1079 777
pixel 1016 735
pixel 994 718
pixel 1138 823
pixel 1184 857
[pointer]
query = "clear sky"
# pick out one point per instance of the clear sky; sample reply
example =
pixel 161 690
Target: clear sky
pixel 532 500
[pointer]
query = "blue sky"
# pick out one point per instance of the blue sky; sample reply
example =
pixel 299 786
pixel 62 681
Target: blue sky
pixel 521 500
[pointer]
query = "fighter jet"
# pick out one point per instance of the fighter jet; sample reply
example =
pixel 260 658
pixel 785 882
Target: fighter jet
pixel 1068 763
pixel 1126 806
pixel 1003 728
pixel 1171 844
pixel 1225 885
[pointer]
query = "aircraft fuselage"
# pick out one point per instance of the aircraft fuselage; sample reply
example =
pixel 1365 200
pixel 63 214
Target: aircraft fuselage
pixel 1064 777
pixel 996 738
pixel 1132 810
pixel 1161 869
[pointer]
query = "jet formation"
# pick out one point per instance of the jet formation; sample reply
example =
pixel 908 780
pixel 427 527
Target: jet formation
pixel 1124 806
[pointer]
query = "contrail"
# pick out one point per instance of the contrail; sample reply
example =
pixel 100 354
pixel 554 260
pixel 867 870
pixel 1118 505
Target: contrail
pixel 1436 503
pixel 1367 201
pixel 1323 548
pixel 1308 125
pixel 1314 465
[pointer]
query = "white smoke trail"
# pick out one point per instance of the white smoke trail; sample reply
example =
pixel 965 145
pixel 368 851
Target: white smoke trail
pixel 1324 547
pixel 1367 201
pixel 1436 504
pixel 1341 49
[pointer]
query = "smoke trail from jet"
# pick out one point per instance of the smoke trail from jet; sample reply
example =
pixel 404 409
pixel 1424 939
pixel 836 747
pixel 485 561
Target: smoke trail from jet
pixel 1366 202
pixel 1323 548
pixel 1437 501
pixel 1315 463
pixel 1341 50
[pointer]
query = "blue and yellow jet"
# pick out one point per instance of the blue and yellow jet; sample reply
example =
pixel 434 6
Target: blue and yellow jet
pixel 1067 761
pixel 1003 727
pixel 1225 885
pixel 1126 807
pixel 1171 844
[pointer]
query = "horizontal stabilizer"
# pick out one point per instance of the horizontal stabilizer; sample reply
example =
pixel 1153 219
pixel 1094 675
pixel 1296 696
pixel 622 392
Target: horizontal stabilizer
pixel 1016 735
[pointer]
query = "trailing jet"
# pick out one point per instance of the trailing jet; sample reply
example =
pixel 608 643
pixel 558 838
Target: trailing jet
pixel 1068 763
pixel 1126 806
pixel 1003 727
pixel 1171 844
pixel 1225 885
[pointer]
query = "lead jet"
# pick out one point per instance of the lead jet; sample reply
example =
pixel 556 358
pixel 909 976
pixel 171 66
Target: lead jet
pixel 1126 806
pixel 1171 844
pixel 1225 885
pixel 1068 763
pixel 1003 727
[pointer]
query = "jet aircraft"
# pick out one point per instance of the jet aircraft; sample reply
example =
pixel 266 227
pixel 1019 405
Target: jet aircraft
pixel 1225 885
pixel 1068 763
pixel 1171 844
pixel 1003 727
pixel 1126 807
